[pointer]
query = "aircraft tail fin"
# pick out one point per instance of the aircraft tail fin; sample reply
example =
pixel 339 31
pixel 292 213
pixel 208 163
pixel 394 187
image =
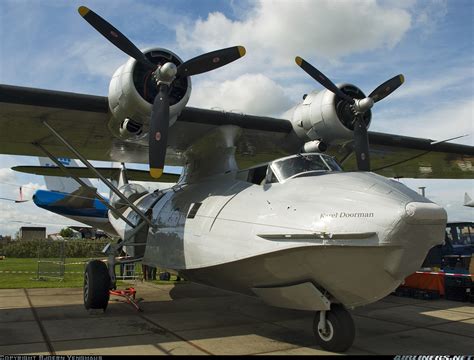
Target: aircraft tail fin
pixel 467 200
pixel 62 184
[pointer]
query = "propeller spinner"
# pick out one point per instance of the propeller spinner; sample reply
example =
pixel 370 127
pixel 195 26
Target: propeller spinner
pixel 164 76
pixel 358 106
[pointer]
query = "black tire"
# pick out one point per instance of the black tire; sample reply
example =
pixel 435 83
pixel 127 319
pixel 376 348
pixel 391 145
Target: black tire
pixel 96 285
pixel 341 332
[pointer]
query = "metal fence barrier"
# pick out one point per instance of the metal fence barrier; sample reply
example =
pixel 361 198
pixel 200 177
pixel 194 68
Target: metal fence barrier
pixel 55 267
pixel 51 267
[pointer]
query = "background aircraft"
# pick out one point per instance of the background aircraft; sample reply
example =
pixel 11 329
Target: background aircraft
pixel 64 196
pixel 468 201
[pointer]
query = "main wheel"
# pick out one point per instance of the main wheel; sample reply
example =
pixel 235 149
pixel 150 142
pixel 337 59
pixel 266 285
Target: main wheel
pixel 96 285
pixel 339 332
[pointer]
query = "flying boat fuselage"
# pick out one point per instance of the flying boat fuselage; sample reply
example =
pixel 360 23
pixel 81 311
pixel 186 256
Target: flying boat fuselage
pixel 353 236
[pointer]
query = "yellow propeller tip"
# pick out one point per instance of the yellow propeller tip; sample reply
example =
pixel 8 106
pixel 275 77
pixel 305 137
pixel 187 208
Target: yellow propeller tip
pixel 156 173
pixel 83 10
pixel 242 51
pixel 298 60
pixel 402 78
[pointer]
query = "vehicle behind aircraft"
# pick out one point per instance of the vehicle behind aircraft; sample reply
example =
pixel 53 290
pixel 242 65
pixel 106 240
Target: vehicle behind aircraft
pixel 459 240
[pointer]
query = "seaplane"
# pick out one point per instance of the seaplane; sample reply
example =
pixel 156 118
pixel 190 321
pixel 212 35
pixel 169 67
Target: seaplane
pixel 298 210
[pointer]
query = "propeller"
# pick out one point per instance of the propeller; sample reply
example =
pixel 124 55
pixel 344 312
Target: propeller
pixel 114 36
pixel 358 107
pixel 163 75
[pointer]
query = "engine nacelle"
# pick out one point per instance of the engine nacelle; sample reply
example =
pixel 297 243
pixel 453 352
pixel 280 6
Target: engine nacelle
pixel 315 146
pixel 325 116
pixel 132 91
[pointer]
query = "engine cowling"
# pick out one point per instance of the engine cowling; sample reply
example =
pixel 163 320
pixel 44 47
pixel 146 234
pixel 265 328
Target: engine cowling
pixel 131 191
pixel 132 91
pixel 326 117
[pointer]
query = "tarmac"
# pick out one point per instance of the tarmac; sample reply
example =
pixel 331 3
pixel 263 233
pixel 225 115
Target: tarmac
pixel 190 319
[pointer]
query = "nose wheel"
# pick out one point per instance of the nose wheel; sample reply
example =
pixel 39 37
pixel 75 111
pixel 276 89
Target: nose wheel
pixel 96 285
pixel 334 329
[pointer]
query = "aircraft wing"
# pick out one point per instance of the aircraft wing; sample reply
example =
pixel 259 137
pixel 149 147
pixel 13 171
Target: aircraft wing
pixel 83 172
pixel 82 120
pixel 409 157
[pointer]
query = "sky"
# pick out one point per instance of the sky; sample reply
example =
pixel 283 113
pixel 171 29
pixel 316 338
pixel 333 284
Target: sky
pixel 46 44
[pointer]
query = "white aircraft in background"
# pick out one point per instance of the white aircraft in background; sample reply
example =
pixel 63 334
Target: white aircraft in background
pixel 66 197
pixel 468 201
pixel 259 209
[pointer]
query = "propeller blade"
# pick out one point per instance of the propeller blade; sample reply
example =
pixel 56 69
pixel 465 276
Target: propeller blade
pixel 210 61
pixel 114 36
pixel 158 132
pixel 322 79
pixel 361 145
pixel 387 88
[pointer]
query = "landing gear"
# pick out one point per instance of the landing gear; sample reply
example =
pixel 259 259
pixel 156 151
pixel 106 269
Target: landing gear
pixel 96 285
pixel 334 329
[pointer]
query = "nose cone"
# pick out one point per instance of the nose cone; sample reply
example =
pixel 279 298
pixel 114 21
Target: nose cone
pixel 44 198
pixel 425 214
pixel 419 229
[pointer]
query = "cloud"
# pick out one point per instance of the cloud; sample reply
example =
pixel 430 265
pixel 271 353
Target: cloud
pixel 7 175
pixel 442 122
pixel 425 85
pixel 15 216
pixel 94 56
pixel 282 29
pixel 254 94
pixel 429 14
pixel 11 190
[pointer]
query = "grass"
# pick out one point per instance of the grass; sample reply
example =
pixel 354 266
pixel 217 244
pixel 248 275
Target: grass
pixel 73 276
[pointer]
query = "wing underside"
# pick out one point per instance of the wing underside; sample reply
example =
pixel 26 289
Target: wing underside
pixel 402 156
pixel 83 172
pixel 82 120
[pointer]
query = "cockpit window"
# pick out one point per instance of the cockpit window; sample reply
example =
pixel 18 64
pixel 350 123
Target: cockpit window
pixel 332 163
pixel 303 164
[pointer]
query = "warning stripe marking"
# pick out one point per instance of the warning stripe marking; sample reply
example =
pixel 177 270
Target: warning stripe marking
pixel 443 273
pixel 34 272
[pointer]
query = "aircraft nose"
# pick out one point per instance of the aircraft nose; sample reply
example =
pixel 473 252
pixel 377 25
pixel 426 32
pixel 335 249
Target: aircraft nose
pixel 421 227
pixel 425 213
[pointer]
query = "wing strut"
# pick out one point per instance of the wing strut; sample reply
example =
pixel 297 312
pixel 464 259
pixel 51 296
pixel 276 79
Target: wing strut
pixel 82 183
pixel 99 175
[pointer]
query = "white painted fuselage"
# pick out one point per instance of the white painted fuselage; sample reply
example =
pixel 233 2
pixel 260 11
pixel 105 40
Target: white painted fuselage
pixel 353 236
